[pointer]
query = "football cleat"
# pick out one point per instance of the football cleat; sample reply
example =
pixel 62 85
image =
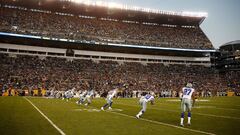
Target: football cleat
pixel 102 108
pixel 109 108
pixel 181 125
pixel 137 117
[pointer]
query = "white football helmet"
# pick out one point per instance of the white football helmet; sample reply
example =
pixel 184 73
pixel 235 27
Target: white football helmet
pixel 189 85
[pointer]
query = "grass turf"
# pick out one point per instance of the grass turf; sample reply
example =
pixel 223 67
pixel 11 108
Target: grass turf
pixel 218 115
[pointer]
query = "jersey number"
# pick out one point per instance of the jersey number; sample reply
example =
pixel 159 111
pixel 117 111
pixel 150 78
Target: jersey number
pixel 187 91
pixel 147 96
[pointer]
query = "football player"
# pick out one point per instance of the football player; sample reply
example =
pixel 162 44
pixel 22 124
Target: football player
pixel 188 94
pixel 143 102
pixel 68 94
pixel 110 95
pixel 82 97
pixel 89 97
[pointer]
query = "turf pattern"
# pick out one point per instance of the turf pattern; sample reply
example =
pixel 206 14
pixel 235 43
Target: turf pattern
pixel 218 115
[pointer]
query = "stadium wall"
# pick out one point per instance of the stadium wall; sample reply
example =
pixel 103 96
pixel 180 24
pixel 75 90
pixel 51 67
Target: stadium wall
pixel 98 55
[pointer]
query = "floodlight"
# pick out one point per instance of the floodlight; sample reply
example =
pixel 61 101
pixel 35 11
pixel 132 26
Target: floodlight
pixel 135 8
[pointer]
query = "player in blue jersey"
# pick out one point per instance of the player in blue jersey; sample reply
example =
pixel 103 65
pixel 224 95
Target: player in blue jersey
pixel 188 94
pixel 143 102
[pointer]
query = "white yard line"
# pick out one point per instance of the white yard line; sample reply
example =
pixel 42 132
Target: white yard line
pixel 54 125
pixel 214 107
pixel 165 124
pixel 203 114
pixel 219 116
pixel 160 123
pixel 228 109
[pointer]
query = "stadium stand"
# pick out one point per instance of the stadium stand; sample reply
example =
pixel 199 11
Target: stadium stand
pixel 32 63
pixel 74 27
pixel 61 74
pixel 228 62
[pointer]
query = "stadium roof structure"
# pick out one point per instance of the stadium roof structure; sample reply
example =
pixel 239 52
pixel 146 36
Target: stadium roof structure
pixel 113 11
pixel 230 46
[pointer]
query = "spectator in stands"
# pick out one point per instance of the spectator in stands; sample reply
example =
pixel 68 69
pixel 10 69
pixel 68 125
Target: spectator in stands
pixel 59 74
pixel 54 25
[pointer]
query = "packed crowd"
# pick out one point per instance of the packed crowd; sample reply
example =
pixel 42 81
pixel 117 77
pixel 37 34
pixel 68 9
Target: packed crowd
pixel 82 29
pixel 60 74
pixel 233 80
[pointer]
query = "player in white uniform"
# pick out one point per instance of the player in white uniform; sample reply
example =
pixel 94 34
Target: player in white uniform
pixel 188 94
pixel 68 94
pixel 52 93
pixel 82 97
pixel 110 95
pixel 143 102
pixel 89 97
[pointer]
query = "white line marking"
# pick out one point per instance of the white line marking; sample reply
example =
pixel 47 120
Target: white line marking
pixel 177 100
pixel 228 109
pixel 218 104
pixel 157 122
pixel 88 110
pixel 219 116
pixel 165 124
pixel 210 115
pixel 55 126
pixel 115 110
pixel 204 107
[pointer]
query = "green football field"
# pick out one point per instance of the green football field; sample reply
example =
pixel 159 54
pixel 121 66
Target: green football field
pixel 42 116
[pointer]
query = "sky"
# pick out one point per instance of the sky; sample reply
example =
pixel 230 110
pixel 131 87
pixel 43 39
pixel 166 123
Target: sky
pixel 222 24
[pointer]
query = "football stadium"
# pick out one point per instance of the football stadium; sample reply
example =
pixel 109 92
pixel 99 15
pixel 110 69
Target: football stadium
pixel 75 67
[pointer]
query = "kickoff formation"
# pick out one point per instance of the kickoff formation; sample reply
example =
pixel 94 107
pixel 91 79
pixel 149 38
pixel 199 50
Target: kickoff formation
pixel 216 115
pixel 92 67
pixel 187 97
